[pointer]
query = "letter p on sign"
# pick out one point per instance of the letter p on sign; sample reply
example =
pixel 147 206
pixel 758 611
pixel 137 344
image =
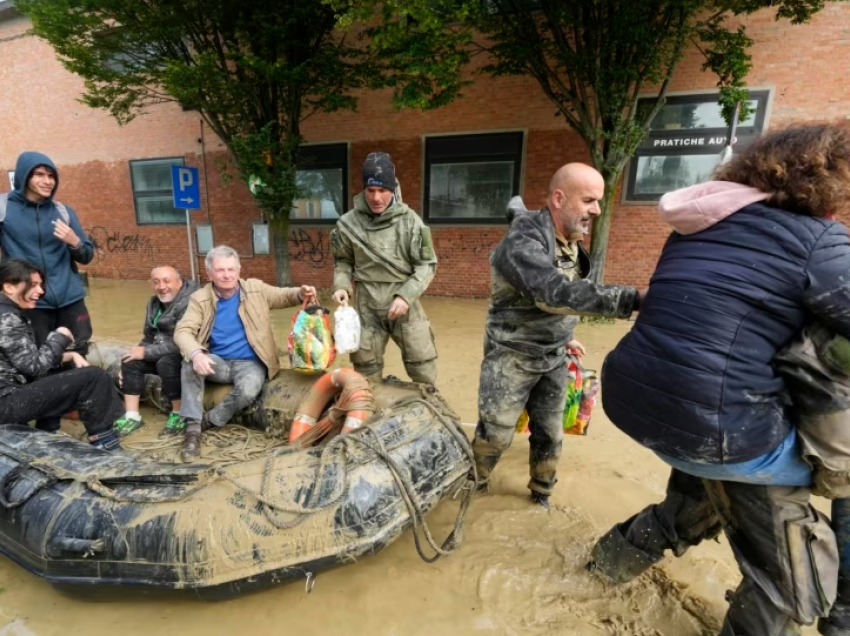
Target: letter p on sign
pixel 185 187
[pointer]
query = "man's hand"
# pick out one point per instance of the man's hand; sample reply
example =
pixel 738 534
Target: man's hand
pixel 309 294
pixel 78 360
pixel 65 332
pixel 203 364
pixel 64 233
pixel 398 308
pixel 135 353
pixel 340 297
pixel 576 348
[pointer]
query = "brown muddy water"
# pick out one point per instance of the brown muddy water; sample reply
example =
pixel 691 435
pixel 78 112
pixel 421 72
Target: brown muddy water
pixel 520 570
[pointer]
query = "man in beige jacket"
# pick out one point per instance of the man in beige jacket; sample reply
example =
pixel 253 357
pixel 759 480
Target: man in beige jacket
pixel 226 336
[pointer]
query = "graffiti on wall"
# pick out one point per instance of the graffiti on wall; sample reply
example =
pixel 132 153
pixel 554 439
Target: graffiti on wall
pixel 312 250
pixel 107 242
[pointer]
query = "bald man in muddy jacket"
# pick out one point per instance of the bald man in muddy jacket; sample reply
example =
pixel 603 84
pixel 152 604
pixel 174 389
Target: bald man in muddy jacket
pixel 383 245
pixel 539 287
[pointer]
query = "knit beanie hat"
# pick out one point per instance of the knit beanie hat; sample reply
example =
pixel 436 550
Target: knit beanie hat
pixel 378 170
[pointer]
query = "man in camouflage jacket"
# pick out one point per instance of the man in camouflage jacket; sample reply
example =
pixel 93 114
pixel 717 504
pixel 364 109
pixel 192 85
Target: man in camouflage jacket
pixel 538 288
pixel 384 246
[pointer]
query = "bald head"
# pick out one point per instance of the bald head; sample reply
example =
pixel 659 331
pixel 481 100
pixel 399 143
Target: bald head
pixel 166 283
pixel 574 194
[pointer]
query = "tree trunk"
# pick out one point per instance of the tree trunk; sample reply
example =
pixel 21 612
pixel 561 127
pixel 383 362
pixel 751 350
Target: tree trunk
pixel 280 235
pixel 602 228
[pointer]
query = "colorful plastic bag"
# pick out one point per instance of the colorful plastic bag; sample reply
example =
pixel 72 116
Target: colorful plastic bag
pixel 310 342
pixel 587 400
pixel 346 329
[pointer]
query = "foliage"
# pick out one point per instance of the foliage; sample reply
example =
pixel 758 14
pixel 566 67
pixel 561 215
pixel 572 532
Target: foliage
pixel 254 71
pixel 591 58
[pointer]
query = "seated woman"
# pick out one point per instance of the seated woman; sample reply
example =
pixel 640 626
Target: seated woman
pixel 27 392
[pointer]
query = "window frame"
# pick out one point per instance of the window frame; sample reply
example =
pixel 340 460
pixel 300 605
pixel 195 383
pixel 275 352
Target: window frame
pixel 744 136
pixel 470 148
pixel 181 221
pixel 323 164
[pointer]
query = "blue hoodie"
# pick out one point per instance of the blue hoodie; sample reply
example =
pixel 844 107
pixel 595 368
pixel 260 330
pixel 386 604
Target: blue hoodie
pixel 28 233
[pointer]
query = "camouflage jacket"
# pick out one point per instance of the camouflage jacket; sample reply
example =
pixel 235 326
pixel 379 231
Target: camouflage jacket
pixel 392 247
pixel 20 359
pixel 158 335
pixel 534 304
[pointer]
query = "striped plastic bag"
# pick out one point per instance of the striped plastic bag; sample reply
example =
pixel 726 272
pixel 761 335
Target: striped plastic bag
pixel 311 342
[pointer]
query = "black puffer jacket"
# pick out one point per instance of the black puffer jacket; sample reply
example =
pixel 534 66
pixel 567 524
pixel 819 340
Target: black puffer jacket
pixel 159 340
pixel 694 379
pixel 21 361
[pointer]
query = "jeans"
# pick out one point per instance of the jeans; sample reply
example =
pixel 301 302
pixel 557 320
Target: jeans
pixel 246 376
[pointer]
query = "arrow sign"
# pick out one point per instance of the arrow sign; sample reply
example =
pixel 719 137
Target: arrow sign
pixel 185 187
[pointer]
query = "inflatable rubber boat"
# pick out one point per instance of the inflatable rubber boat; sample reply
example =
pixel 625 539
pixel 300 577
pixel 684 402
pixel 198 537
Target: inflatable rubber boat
pixel 92 522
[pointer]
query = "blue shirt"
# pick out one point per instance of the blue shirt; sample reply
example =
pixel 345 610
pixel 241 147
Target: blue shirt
pixel 783 466
pixel 228 339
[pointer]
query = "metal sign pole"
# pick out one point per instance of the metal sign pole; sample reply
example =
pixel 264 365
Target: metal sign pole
pixel 191 250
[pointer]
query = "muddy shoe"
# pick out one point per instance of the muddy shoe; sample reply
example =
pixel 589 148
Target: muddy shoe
pixel 174 426
pixel 618 560
pixel 191 448
pixel 540 499
pixel 127 425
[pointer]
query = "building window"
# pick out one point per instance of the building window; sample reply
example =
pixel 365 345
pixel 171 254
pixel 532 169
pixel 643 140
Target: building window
pixel 322 176
pixel 260 239
pixel 685 142
pixel 471 178
pixel 153 191
pixel 204 236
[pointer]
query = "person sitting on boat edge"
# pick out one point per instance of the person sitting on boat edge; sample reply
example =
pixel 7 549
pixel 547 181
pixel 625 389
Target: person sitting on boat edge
pixel 156 353
pixel 226 336
pixel 27 392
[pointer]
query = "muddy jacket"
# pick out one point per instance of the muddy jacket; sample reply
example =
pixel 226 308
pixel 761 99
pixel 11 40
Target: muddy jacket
pixel 27 233
pixel 695 378
pixel 534 304
pixel 158 339
pixel 255 299
pixel 392 247
pixel 20 360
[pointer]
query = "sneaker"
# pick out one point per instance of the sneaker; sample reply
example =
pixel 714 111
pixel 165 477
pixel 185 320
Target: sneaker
pixel 540 499
pixel 174 426
pixel 107 441
pixel 126 425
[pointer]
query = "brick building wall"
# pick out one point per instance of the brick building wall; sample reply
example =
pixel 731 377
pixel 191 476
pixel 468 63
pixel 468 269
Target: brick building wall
pixel 804 66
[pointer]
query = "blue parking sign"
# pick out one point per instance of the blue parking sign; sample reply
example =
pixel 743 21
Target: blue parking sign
pixel 186 187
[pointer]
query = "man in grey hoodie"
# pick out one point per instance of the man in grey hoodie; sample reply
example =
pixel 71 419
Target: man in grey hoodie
pixel 48 234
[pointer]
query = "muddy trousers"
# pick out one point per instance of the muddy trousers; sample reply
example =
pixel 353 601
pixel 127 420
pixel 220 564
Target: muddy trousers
pixel 246 376
pixel 785 549
pixel 168 368
pixel 75 317
pixel 89 390
pixel 412 333
pixel 510 382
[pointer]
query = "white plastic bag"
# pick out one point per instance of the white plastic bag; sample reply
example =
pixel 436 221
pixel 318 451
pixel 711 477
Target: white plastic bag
pixel 346 329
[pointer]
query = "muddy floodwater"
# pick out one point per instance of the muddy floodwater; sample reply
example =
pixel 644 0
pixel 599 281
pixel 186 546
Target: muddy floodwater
pixel 520 571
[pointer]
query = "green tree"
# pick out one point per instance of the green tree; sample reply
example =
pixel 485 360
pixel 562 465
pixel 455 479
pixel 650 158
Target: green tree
pixel 591 58
pixel 253 69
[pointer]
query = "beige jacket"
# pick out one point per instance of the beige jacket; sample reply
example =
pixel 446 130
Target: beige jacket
pixel 256 298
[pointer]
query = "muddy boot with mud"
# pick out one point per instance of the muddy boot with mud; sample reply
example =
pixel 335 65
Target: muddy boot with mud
pixel 191 448
pixel 752 613
pixel 618 560
pixel 838 621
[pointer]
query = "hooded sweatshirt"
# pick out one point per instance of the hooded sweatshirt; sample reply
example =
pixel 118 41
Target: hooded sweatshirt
pixel 694 379
pixel 27 233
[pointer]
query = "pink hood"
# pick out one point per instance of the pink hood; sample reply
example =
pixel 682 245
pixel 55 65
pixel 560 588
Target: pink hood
pixel 698 207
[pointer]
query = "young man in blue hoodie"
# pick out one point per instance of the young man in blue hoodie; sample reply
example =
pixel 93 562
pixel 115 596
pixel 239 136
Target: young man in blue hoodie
pixel 38 229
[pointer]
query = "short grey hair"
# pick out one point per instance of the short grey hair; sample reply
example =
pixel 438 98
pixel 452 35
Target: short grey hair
pixel 221 251
pixel 176 271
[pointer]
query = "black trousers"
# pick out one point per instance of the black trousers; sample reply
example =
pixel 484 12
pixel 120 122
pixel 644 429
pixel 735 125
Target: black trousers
pixel 74 317
pixel 168 368
pixel 90 390
pixel 785 548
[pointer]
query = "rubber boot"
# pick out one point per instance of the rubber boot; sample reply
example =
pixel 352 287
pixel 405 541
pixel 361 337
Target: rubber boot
pixel 617 559
pixel 838 621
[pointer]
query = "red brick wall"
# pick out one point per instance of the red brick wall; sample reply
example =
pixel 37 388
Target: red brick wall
pixel 805 65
